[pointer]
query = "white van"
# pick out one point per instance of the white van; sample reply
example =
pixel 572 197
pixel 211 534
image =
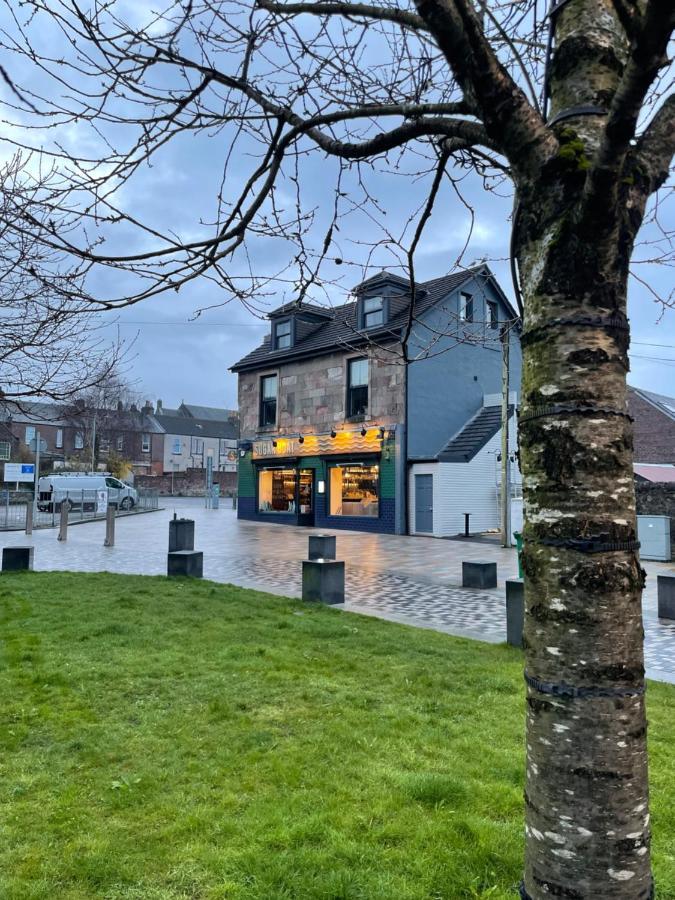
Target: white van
pixel 80 490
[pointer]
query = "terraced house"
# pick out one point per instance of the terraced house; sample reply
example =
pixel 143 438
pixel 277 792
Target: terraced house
pixel 346 412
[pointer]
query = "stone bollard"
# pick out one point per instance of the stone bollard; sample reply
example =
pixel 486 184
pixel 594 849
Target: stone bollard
pixel 665 590
pixel 479 573
pixel 109 526
pixel 323 581
pixel 17 559
pixel 29 518
pixel 63 521
pixel 321 546
pixel 515 611
pixel 181 534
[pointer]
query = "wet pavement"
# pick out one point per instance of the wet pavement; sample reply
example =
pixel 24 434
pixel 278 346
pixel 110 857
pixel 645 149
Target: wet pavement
pixel 415 580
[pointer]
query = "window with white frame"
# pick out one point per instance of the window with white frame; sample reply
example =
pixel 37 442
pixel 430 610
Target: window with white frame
pixel 176 447
pixel 120 443
pixel 5 450
pixel 30 434
pixel 59 438
pixel 197 447
pixel 145 443
pixel 79 440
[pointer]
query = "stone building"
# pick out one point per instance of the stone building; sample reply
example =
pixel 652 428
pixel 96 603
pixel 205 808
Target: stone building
pixel 334 415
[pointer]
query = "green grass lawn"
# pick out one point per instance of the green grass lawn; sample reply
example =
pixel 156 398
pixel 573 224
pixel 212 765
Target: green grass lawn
pixel 166 739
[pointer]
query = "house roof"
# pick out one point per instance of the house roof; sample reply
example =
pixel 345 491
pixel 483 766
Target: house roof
pixel 210 413
pixel 183 425
pixel 656 473
pixel 474 435
pixel 36 412
pixel 662 402
pixel 294 306
pixel 340 331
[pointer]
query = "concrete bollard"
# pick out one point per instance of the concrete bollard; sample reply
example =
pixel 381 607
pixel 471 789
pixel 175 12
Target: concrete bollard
pixel 63 521
pixel 17 559
pixel 189 563
pixel 323 581
pixel 665 590
pixel 109 526
pixel 479 573
pixel 29 517
pixel 322 546
pixel 515 611
pixel 181 534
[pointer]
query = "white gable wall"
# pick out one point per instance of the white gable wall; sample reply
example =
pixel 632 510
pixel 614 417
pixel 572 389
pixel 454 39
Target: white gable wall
pixel 465 487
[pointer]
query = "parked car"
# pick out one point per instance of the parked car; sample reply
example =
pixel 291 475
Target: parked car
pixel 81 491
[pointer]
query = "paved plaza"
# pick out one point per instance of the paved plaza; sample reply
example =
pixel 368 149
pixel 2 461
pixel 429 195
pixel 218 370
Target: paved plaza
pixel 415 580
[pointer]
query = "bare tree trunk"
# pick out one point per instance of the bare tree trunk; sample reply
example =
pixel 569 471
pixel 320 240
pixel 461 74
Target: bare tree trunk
pixel 587 817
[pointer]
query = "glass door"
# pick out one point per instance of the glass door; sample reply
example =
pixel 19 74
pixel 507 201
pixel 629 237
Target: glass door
pixel 306 497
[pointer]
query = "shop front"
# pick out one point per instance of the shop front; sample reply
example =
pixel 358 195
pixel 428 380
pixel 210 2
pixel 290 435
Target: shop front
pixel 343 480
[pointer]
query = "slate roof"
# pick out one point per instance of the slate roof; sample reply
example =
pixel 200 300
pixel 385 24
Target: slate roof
pixel 340 330
pixel 184 425
pixel 212 413
pixel 665 404
pixel 474 435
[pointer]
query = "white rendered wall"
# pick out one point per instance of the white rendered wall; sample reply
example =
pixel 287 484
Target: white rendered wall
pixel 465 487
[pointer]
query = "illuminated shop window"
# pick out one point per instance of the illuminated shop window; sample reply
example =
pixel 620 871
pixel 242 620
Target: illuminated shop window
pixel 276 491
pixel 354 490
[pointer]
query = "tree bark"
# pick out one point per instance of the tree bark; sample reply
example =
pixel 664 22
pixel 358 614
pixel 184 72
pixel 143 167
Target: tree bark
pixel 587 818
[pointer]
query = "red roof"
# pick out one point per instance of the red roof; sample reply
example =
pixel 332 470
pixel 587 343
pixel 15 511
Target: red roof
pixel 660 473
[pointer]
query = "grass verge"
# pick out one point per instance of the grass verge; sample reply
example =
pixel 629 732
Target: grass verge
pixel 168 739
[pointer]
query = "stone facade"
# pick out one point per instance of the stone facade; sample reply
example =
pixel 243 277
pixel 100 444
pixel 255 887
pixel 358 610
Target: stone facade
pixel 312 393
pixel 654 431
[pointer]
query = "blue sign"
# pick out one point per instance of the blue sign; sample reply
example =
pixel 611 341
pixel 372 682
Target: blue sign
pixel 28 468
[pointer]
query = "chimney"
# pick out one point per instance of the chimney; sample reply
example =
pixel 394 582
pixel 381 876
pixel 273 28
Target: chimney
pixel 148 408
pixel 159 408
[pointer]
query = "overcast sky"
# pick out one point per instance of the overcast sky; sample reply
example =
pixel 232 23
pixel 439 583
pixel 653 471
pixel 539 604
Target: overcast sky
pixel 176 356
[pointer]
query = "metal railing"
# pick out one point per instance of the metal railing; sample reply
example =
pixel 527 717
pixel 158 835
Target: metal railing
pixel 84 506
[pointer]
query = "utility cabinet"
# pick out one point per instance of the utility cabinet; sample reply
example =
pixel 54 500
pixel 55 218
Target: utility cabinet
pixel 654 535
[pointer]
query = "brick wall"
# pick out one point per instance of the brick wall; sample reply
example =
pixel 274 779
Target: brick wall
pixel 654 431
pixel 186 484
pixel 655 499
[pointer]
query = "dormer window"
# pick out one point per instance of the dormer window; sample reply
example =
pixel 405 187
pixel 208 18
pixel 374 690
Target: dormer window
pixel 282 335
pixel 373 311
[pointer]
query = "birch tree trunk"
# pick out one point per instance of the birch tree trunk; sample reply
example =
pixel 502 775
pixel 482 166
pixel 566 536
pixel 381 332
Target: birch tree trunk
pixel 587 818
